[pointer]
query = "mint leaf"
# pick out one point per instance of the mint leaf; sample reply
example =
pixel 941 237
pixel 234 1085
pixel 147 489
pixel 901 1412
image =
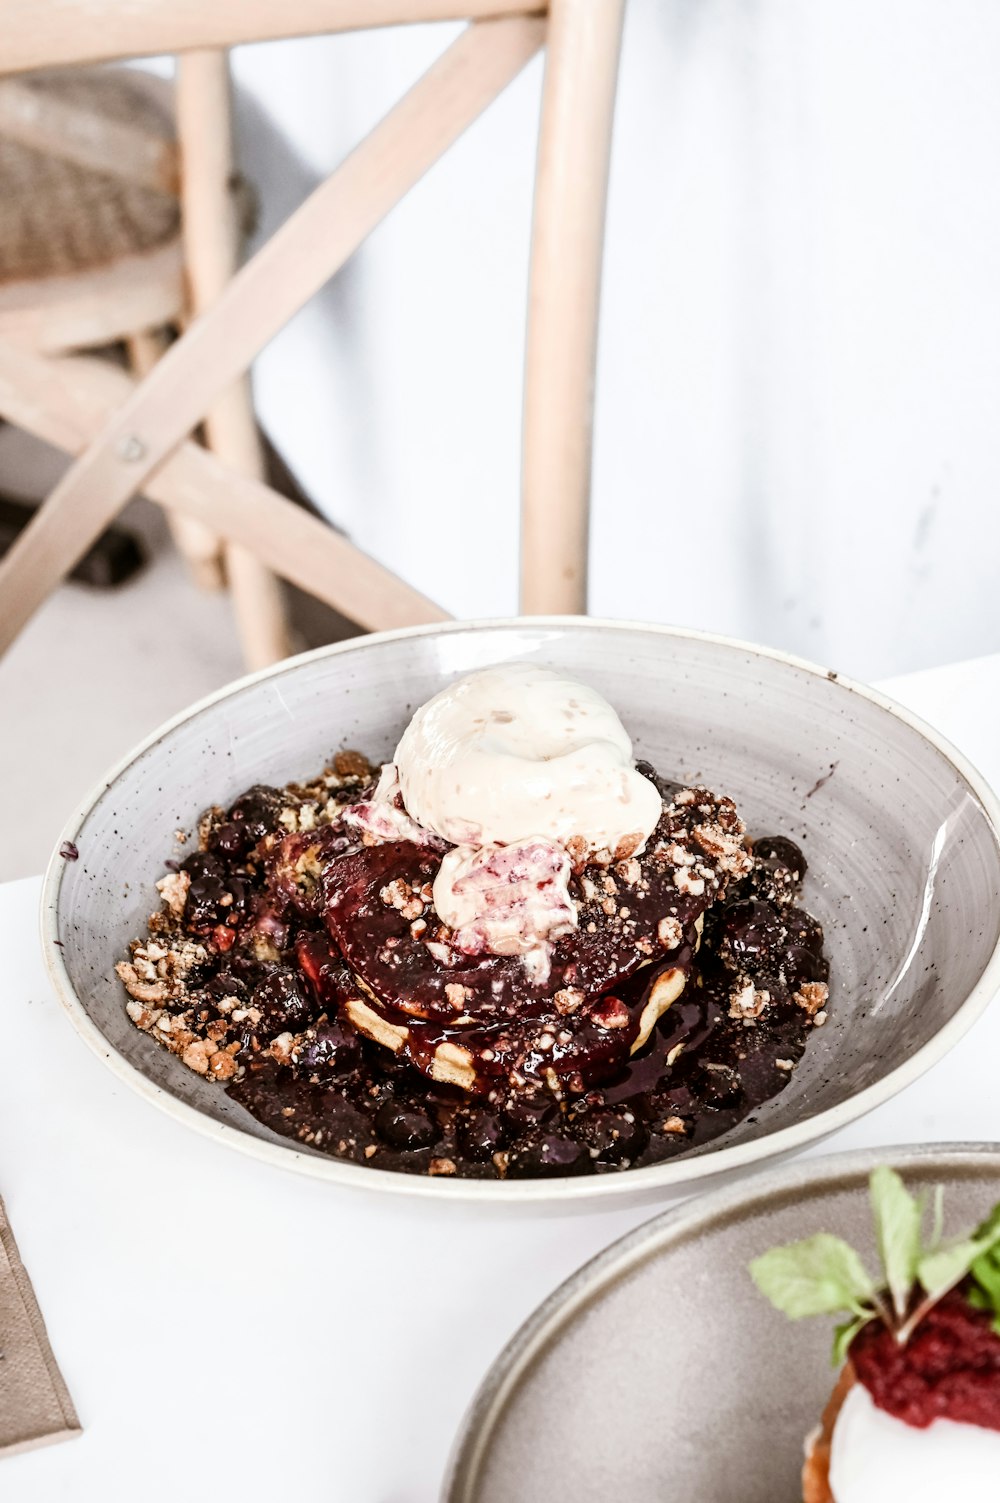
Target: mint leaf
pixel 845 1334
pixel 986 1272
pixel 898 1216
pixel 819 1276
pixel 986 1292
pixel 941 1270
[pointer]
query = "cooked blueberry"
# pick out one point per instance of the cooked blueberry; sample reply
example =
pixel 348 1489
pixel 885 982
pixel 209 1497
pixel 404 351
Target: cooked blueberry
pixel 805 965
pixel 804 930
pixel 203 907
pixel 203 864
pixel 231 839
pixel 547 1158
pixel 242 895
pixel 753 931
pixel 225 984
pixel 282 1002
pixel 718 1085
pixel 327 1049
pixel 258 811
pixel 247 968
pixel 613 1135
pixel 529 1111
pixel 481 1133
pixel 405 1126
pixel 782 852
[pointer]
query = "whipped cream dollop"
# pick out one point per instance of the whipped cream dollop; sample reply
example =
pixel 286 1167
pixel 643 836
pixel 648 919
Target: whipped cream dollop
pixel 875 1457
pixel 520 751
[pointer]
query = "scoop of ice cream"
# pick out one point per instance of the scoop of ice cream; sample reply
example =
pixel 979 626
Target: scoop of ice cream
pixel 875 1457
pixel 518 751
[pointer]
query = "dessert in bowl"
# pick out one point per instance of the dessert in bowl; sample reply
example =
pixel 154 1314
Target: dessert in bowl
pixel 510 952
pixel 519 984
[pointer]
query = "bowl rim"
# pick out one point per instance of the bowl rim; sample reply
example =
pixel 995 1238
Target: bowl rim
pixel 696 1217
pixel 674 1174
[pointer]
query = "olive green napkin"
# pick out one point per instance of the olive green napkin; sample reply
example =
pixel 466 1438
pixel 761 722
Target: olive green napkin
pixel 35 1406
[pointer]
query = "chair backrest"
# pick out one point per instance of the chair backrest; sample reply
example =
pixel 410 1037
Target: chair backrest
pixel 583 39
pixel 90 230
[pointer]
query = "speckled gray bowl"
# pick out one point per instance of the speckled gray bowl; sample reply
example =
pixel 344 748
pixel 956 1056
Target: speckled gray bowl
pixel 658 1374
pixel 899 831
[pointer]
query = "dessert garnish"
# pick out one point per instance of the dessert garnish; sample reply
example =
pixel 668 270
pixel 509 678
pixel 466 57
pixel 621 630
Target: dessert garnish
pixel 915 1413
pixel 512 950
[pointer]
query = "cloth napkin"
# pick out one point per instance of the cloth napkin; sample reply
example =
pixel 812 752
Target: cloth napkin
pixel 35 1406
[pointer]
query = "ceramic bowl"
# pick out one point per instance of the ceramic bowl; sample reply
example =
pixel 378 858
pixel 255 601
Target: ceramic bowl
pixel 658 1374
pixel 899 831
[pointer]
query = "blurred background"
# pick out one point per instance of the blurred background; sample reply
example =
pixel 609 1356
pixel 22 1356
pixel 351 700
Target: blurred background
pixel 798 375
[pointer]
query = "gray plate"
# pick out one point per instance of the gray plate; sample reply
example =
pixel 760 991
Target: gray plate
pixel 899 830
pixel 658 1374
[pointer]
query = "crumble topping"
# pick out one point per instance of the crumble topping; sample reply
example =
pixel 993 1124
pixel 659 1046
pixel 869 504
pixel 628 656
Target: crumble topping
pixel 747 1001
pixel 812 996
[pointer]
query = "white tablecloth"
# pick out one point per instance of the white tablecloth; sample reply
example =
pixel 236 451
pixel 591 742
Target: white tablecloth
pixel 230 1330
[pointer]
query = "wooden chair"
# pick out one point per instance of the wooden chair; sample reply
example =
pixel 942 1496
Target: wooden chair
pixel 138 440
pixel 118 226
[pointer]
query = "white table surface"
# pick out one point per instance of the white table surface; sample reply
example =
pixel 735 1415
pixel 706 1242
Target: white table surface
pixel 231 1330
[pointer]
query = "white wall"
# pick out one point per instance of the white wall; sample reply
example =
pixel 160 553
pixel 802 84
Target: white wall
pixel 798 377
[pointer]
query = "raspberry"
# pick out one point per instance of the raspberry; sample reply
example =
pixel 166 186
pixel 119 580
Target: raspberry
pixel 949 1368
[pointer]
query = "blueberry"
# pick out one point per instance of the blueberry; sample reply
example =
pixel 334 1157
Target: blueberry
pixel 782 852
pixel 203 909
pixel 548 1157
pixel 529 1111
pixel 805 965
pixel 225 984
pixel 257 810
pixel 246 968
pixel 203 864
pixel 403 1126
pixel 327 1049
pixel 282 1003
pixel 481 1133
pixel 718 1085
pixel 804 930
pixel 752 931
pixel 242 895
pixel 613 1135
pixel 231 840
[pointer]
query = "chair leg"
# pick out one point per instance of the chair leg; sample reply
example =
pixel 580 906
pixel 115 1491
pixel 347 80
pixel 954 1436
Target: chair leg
pixel 197 545
pixel 581 71
pixel 258 597
pixel 211 246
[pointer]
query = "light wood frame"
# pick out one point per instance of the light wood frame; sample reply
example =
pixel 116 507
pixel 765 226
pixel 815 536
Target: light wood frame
pixel 141 445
